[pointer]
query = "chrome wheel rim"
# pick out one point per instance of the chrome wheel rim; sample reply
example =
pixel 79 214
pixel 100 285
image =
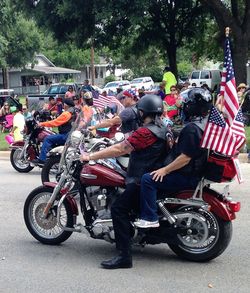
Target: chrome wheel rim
pixel 47 228
pixel 21 163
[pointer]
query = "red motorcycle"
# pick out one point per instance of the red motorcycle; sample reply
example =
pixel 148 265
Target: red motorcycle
pixel 196 224
pixel 28 149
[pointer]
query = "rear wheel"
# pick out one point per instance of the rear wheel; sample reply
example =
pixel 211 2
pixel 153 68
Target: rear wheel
pixel 47 230
pixel 22 165
pixel 203 235
pixel 50 170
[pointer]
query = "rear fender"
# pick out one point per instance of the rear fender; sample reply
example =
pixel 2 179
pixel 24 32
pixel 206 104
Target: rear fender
pixel 70 199
pixel 218 206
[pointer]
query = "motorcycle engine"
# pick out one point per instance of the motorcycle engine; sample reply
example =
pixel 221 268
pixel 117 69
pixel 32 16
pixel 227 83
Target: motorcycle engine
pixel 102 199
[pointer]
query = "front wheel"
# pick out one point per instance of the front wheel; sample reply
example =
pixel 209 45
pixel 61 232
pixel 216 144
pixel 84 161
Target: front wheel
pixel 50 170
pixel 204 236
pixel 22 165
pixel 47 230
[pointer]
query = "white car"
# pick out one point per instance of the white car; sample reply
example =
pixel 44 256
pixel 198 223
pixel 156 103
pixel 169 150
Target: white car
pixel 111 87
pixel 145 83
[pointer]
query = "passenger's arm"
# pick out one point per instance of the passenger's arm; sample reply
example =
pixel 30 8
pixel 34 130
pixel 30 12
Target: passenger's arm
pixel 107 123
pixel 181 161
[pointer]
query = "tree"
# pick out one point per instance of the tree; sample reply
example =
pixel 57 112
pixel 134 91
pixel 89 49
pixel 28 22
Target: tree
pixel 21 39
pixel 236 15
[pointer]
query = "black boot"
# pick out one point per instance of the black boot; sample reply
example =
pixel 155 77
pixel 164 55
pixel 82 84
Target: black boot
pixel 122 261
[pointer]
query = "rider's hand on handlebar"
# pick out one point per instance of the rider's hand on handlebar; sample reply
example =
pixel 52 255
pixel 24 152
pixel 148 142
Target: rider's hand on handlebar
pixel 84 157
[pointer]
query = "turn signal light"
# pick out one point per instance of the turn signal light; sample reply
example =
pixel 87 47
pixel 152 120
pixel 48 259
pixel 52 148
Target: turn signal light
pixel 234 206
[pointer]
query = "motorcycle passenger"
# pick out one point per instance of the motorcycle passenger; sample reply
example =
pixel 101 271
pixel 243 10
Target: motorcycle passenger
pixel 147 147
pixel 186 161
pixel 64 124
pixel 127 118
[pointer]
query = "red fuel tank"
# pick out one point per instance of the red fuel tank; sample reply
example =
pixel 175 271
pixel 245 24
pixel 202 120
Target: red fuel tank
pixel 99 175
pixel 43 133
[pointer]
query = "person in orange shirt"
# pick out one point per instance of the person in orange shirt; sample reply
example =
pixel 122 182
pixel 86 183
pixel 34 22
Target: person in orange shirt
pixel 64 124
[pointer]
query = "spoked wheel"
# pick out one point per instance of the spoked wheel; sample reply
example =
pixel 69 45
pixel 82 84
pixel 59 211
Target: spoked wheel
pixel 203 235
pixel 50 170
pixel 47 230
pixel 22 165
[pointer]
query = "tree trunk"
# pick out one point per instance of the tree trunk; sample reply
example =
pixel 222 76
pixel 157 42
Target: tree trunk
pixel 5 78
pixel 240 58
pixel 171 54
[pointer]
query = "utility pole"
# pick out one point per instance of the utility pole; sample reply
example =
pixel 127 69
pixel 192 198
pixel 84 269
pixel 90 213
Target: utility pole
pixel 92 63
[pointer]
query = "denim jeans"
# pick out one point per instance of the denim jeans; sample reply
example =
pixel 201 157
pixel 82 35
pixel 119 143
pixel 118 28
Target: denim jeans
pixel 51 141
pixel 172 183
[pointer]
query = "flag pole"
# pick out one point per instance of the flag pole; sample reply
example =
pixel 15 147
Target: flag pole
pixel 227 32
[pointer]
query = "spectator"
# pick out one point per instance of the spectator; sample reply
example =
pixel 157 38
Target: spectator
pixel 26 113
pixel 4 110
pixel 52 106
pixel 70 93
pixel 172 103
pixel 86 86
pixel 240 91
pixel 169 79
pixel 18 123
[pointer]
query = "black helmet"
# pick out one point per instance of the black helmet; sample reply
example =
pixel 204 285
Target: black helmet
pixel 150 104
pixel 196 102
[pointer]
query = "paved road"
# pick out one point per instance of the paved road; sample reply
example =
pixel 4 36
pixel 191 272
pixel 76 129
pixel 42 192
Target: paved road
pixel 28 266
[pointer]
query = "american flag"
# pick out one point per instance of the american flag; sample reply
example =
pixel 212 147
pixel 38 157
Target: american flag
pixel 102 101
pixel 228 86
pixel 239 130
pixel 218 136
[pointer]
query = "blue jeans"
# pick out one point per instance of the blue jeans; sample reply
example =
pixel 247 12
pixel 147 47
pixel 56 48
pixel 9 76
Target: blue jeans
pixel 172 183
pixel 51 141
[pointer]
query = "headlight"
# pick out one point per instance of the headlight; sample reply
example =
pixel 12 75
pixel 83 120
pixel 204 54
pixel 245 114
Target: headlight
pixel 75 138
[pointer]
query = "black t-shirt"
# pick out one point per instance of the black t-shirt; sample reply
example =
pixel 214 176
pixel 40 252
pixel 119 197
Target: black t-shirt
pixel 189 144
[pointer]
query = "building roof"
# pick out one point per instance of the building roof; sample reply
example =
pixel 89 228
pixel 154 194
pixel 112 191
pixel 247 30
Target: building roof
pixel 44 66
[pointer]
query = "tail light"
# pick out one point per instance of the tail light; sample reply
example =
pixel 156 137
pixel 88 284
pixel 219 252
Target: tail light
pixel 234 206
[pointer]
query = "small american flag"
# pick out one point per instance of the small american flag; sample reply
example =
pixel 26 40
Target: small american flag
pixel 218 136
pixel 228 86
pixel 102 101
pixel 239 130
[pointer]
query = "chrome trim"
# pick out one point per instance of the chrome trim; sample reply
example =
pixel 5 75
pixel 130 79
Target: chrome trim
pixel 89 176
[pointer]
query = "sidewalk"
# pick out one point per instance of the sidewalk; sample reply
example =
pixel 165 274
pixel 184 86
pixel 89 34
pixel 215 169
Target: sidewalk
pixel 5 155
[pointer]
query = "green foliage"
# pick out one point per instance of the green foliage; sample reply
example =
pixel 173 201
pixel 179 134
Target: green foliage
pixel 109 78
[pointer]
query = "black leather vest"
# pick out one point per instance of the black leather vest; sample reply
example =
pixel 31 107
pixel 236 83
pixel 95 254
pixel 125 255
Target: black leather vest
pixel 150 158
pixel 132 124
pixel 66 127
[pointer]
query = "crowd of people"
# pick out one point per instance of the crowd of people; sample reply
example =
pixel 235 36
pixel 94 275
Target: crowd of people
pixel 157 161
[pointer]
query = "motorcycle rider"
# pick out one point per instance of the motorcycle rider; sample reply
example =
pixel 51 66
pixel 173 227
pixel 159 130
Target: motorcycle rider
pixel 147 147
pixel 127 118
pixel 64 123
pixel 184 164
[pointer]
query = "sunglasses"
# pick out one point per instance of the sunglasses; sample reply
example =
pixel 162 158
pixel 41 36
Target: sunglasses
pixel 6 105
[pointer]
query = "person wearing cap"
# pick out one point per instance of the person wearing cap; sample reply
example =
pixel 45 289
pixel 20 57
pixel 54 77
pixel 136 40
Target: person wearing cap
pixel 127 118
pixel 240 90
pixel 64 124
pixel 18 123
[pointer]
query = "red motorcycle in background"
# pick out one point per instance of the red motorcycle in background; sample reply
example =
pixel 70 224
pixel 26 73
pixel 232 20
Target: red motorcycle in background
pixel 28 149
pixel 196 224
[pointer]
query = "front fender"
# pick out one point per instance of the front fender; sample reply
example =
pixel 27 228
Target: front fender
pixel 70 199
pixel 17 144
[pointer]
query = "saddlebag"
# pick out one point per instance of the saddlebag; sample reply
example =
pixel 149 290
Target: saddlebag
pixel 220 168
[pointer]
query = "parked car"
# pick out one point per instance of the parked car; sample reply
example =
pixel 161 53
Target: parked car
pixel 210 77
pixel 145 83
pixel 111 87
pixel 58 90
pixel 7 95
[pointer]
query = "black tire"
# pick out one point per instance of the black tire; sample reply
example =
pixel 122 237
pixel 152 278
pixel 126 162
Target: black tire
pixel 48 168
pixel 32 217
pixel 22 166
pixel 201 255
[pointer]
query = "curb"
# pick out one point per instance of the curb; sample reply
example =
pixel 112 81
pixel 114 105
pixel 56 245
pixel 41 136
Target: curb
pixel 6 155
